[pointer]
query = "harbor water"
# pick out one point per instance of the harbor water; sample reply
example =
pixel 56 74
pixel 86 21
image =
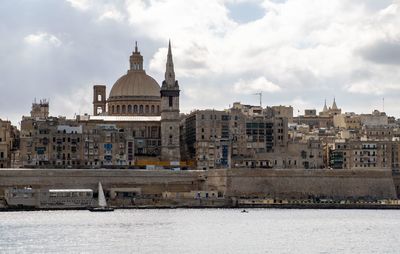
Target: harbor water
pixel 201 231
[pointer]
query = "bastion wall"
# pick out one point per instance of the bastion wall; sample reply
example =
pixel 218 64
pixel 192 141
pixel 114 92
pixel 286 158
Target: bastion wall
pixel 263 183
pixel 289 184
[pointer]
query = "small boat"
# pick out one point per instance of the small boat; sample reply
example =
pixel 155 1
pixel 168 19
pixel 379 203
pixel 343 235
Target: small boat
pixel 102 205
pixel 244 211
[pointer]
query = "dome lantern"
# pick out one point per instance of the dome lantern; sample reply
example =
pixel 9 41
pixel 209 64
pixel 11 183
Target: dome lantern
pixel 136 60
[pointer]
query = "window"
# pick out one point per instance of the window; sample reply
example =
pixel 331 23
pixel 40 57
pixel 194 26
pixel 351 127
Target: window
pixel 123 109
pixel 170 101
pixel 141 109
pixel 152 109
pixel 117 109
pixel 147 109
pixel 99 97
pixel 129 108
pixel 135 109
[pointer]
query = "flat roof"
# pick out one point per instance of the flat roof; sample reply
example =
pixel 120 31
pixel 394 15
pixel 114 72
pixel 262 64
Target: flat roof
pixel 70 190
pixel 122 118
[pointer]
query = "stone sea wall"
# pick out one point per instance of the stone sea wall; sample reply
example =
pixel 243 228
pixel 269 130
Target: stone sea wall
pixel 303 184
pixel 262 183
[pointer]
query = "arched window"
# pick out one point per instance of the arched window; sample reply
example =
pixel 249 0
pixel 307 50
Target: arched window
pixel 117 109
pixel 147 109
pixel 99 98
pixel 113 109
pixel 141 109
pixel 135 109
pixel 152 109
pixel 123 109
pixel 129 109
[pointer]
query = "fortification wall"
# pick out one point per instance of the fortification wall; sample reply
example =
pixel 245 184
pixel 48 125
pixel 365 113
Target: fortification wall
pixel 376 184
pixel 151 182
pixel 273 183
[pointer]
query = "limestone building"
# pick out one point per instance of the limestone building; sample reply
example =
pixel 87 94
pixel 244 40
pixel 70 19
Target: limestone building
pixel 8 144
pixel 133 94
pixel 348 121
pixel 355 154
pixel 244 136
pixel 138 124
pixel 148 114
pixel 331 111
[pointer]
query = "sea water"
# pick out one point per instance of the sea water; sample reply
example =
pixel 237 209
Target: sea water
pixel 201 231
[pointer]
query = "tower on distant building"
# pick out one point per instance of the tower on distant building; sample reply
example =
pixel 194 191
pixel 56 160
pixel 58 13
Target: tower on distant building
pixel 325 107
pixel 41 109
pixel 331 111
pixel 334 110
pixel 99 100
pixel 170 148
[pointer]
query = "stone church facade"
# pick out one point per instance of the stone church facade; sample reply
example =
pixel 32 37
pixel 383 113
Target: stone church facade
pixel 136 125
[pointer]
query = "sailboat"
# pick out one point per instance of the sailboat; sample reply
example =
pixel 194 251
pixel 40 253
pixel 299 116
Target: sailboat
pixel 102 205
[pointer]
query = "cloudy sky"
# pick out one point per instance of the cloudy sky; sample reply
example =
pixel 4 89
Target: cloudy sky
pixel 296 52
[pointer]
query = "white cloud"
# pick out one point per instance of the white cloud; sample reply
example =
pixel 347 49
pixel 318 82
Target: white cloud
pixel 374 87
pixel 42 38
pixel 76 102
pixel 260 84
pixel 111 13
pixel 80 4
pixel 308 49
pixel 103 9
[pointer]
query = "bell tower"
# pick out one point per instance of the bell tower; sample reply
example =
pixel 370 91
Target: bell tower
pixel 99 100
pixel 170 148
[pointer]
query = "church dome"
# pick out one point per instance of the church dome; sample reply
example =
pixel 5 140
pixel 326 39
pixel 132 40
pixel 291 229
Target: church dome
pixel 135 83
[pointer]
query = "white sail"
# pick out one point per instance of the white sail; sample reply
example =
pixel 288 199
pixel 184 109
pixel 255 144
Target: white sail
pixel 102 199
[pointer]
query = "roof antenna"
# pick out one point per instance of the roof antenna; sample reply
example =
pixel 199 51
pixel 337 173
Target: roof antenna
pixel 260 95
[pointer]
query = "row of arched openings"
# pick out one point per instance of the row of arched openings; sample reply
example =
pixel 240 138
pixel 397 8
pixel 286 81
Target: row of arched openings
pixel 135 109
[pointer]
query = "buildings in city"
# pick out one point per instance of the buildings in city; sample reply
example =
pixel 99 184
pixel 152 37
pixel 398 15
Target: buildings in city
pixel 139 125
pixel 9 138
pixel 245 136
pixel 322 120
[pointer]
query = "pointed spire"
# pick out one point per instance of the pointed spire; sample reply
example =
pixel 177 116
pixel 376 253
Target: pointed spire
pixel 136 47
pixel 169 48
pixel 169 71
pixel 325 107
pixel 334 106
